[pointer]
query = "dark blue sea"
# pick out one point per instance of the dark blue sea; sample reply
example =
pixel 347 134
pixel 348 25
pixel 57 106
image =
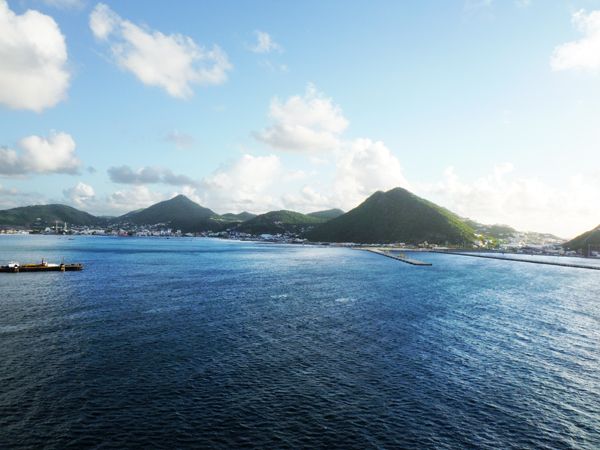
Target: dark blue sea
pixel 204 343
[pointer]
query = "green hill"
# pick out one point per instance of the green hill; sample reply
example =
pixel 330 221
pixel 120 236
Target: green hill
pixel 47 215
pixel 581 242
pixel 395 216
pixel 276 222
pixel 178 213
pixel 496 231
pixel 243 216
pixel 327 214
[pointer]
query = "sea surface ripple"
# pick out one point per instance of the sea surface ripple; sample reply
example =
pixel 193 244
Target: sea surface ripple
pixel 204 343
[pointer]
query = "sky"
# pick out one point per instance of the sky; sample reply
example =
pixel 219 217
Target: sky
pixel 490 108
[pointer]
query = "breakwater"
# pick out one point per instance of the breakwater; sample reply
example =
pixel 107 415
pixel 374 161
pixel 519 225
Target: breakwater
pixel 414 262
pixel 531 261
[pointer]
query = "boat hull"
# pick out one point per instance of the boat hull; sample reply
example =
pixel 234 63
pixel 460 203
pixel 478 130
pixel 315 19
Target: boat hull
pixel 40 268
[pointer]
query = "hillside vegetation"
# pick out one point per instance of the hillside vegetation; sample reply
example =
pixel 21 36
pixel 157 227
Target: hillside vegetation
pixel 395 216
pixel 179 213
pixel 276 222
pixel 589 238
pixel 48 215
pixel 243 216
pixel 327 214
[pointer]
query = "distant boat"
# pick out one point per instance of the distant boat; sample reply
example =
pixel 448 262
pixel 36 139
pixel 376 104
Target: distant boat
pixel 15 267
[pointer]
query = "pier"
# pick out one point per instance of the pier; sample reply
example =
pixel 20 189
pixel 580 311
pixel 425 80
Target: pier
pixel 414 262
pixel 531 261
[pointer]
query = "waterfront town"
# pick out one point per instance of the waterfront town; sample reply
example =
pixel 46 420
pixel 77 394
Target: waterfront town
pixel 517 242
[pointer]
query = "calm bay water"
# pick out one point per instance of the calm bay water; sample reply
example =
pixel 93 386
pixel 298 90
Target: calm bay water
pixel 199 343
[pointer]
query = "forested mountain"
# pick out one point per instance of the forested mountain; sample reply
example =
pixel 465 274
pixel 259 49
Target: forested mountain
pixel 395 216
pixel 179 213
pixel 47 216
pixel 327 214
pixel 275 222
pixel 589 238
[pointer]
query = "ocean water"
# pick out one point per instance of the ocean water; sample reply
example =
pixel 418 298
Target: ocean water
pixel 203 343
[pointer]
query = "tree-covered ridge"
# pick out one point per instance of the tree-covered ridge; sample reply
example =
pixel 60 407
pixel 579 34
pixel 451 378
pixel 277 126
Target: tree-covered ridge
pixel 48 215
pixel 589 238
pixel 395 216
pixel 275 222
pixel 243 216
pixel 180 213
pixel 327 214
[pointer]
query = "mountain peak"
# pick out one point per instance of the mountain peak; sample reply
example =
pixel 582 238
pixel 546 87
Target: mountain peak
pixel 397 215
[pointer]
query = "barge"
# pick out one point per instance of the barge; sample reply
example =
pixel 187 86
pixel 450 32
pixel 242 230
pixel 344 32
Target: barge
pixel 15 267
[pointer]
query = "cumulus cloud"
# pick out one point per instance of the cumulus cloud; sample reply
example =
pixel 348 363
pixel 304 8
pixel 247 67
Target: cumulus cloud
pixel 172 62
pixel 40 155
pixel 362 168
pixel 526 204
pixel 584 53
pixel 265 43
pixel 117 203
pixel 365 168
pixel 242 184
pixel 147 175
pixel 181 141
pixel 79 194
pixel 244 177
pixel 312 125
pixel 307 124
pixel 137 197
pixel 308 199
pixel 14 198
pixel 10 191
pixel 33 54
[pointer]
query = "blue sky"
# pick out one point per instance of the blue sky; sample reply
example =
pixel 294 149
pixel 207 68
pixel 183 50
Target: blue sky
pixel 490 108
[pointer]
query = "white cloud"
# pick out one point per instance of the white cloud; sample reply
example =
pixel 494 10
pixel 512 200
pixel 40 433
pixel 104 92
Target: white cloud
pixel 582 54
pixel 33 56
pixel 246 176
pixel 312 125
pixel 525 204
pixel 265 43
pixel 10 191
pixel 120 202
pixel 309 124
pixel 123 201
pixel 40 155
pixel 236 185
pixel 80 193
pixel 172 62
pixel 522 3
pixel 14 198
pixel 148 175
pixel 243 184
pixel 364 168
pixel 315 160
pixel 309 200
pixel 64 4
pixel 181 141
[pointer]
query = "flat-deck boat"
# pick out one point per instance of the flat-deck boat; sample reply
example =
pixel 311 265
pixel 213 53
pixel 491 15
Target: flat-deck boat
pixel 15 267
